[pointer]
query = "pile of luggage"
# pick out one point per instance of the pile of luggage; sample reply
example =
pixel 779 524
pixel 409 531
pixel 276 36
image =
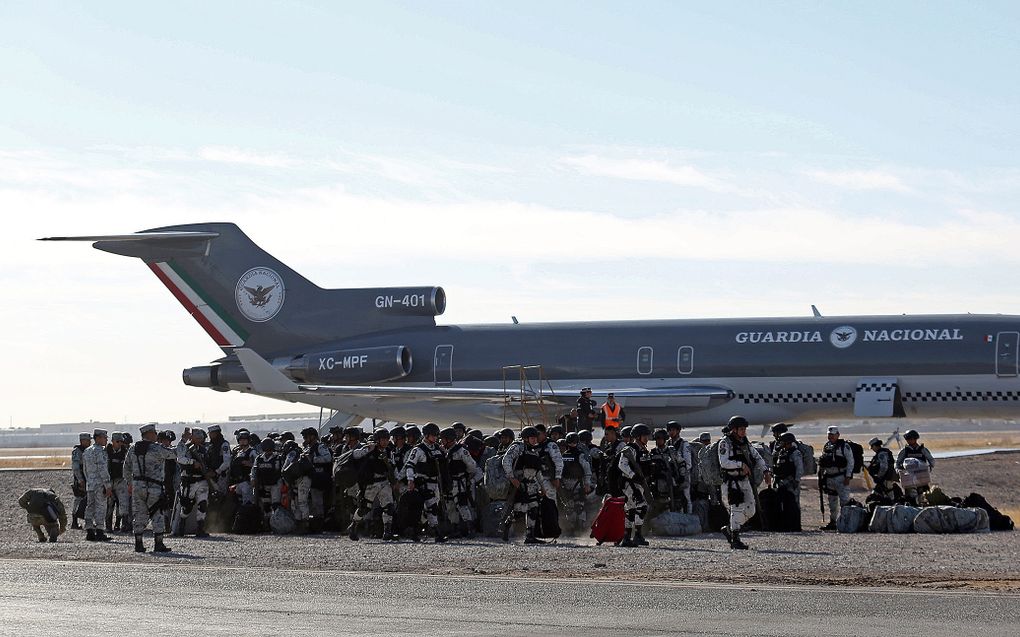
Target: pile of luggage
pixel 972 514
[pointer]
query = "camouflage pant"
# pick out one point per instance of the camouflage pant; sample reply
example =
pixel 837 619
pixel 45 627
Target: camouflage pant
pixel 145 497
pixel 458 502
pixel 194 497
pixel 270 496
pixel 39 522
pixel 636 507
pixel 527 502
pixel 95 508
pixel 548 488
pixel 376 494
pixel 245 492
pixel 430 492
pixel 837 494
pixel 122 501
pixel 309 501
pixel 740 512
pixel 572 502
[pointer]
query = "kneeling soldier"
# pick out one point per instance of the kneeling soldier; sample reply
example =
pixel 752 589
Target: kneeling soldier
pixel 45 511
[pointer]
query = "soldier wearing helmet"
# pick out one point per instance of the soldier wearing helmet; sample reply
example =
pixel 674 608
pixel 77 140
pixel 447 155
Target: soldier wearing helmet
pixel 633 464
pixel 462 470
pixel 506 438
pixel 242 459
pixel 398 455
pixel 915 450
pixel 577 482
pixel 522 464
pixel 665 479
pixel 375 487
pixel 196 476
pixel 737 461
pixel 882 470
pixel 684 460
pixel 835 469
pixel 552 463
pixel 788 469
pixel 423 471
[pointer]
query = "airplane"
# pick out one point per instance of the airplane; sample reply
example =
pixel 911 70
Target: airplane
pixel 379 353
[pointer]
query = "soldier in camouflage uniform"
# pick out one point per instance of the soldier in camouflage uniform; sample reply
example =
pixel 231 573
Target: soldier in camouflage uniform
pixel 577 482
pixel 423 474
pixel 267 478
pixel 116 451
pixel 195 477
pixel 45 511
pixel 78 481
pixel 145 470
pixel 633 464
pixel 462 468
pixel 96 466
pixel 522 464
pixel 376 489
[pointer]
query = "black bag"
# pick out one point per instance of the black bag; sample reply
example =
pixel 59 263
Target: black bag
pixel 718 517
pixel 408 513
pixel 858 453
pixel 247 520
pixel 548 523
pixel 996 520
pixel 768 515
pixel 788 512
pixel 346 471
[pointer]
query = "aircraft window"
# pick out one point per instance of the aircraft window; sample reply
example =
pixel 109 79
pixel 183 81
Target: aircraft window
pixel 644 360
pixel 685 360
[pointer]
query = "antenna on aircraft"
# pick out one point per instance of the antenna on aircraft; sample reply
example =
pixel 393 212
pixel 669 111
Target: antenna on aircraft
pixel 814 310
pixel 514 319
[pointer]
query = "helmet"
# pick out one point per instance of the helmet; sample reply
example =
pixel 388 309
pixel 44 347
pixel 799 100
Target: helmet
pixel 476 433
pixel 474 445
pixel 787 437
pixel 197 432
pixel 412 430
pixel 640 430
pixel 268 444
pixel 380 434
pixel 912 434
pixel 736 421
pixel 398 432
pixel 128 439
pixel 572 438
pixel 556 429
pixel 459 425
pixel 672 424
pixel 875 441
pixel 626 432
pixel 430 429
pixel 507 432
pixel 310 431
pixel 660 433
pixel 583 436
pixel 780 428
pixel 491 441
pixel 448 434
pixel 255 439
pixel 287 435
pixel 353 431
pixel 540 427
pixel 528 432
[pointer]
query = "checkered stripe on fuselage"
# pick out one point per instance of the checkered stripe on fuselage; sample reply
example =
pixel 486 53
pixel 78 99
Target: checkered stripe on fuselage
pixel 828 397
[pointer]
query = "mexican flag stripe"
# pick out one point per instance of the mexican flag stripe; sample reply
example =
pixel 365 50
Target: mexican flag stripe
pixel 211 322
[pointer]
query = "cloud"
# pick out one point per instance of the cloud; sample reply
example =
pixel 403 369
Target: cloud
pixel 859 179
pixel 246 158
pixel 637 169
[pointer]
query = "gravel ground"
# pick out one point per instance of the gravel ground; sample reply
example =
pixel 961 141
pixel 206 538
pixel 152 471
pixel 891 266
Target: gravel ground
pixel 985 561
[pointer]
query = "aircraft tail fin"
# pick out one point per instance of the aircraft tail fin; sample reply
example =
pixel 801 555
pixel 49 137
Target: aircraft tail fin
pixel 244 297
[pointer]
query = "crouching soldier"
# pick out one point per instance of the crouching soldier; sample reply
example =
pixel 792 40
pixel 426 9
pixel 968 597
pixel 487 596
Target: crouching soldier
pixel 96 465
pixel 882 470
pixel 462 468
pixel 145 471
pixel 267 478
pixel 45 511
pixel 737 460
pixel 376 483
pixel 577 482
pixel 633 461
pixel 522 464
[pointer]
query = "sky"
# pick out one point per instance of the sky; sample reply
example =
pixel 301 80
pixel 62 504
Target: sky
pixel 553 161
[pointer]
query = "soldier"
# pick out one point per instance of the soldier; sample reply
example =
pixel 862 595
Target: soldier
pixel 705 438
pixel 376 488
pixel 267 478
pixel 311 488
pixel 196 480
pixel 683 460
pixel 398 456
pixel 587 410
pixel 577 481
pixel 506 438
pixel 45 511
pixel 422 471
pixel 552 463
pixel 633 463
pixel 242 459
pixel 737 460
pixel 918 451
pixel 777 430
pixel 145 470
pixel 171 477
pixel 788 464
pixel 78 478
pixel 462 471
pixel 413 435
pixel 835 468
pixel 522 464
pixel 116 451
pixel 96 466
pixel 882 470
pixel 665 477
pixel 219 458
pixel 461 430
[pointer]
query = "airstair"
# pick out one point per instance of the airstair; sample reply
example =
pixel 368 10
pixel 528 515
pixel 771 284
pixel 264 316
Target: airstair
pixel 529 397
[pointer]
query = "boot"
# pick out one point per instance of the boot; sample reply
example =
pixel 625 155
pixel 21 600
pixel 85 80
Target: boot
pixel 466 530
pixel 639 539
pixel 101 537
pixel 387 532
pixel 139 547
pixel 352 531
pixel 531 539
pixel 831 526
pixel 626 541
pixel 200 531
pixel 301 527
pixel 735 542
pixel 508 524
pixel 90 535
pixel 53 538
pixel 122 524
pixel 726 531
pixel 40 534
pixel 160 547
pixel 74 522
pixel 438 535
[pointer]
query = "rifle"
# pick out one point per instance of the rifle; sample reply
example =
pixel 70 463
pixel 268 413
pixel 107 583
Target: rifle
pixel 821 496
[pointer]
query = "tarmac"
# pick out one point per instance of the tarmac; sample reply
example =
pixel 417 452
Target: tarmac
pixel 101 598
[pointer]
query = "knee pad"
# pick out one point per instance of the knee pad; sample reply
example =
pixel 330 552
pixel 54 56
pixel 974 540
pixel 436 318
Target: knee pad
pixel 203 506
pixel 463 500
pixel 186 505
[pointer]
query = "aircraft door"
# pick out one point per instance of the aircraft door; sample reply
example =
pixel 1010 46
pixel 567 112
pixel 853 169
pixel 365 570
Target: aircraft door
pixel 1006 353
pixel 443 365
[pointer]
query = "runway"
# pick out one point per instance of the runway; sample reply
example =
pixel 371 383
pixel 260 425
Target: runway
pixel 74 598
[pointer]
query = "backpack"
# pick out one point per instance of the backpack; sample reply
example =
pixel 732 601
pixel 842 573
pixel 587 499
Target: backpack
pixel 708 465
pixel 281 522
pixel 858 453
pixel 852 519
pixel 548 523
pixel 997 521
pixel 346 470
pixel 807 454
pixel 247 520
pixel 497 485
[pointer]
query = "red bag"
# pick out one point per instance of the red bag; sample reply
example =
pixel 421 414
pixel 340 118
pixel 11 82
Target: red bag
pixel 609 523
